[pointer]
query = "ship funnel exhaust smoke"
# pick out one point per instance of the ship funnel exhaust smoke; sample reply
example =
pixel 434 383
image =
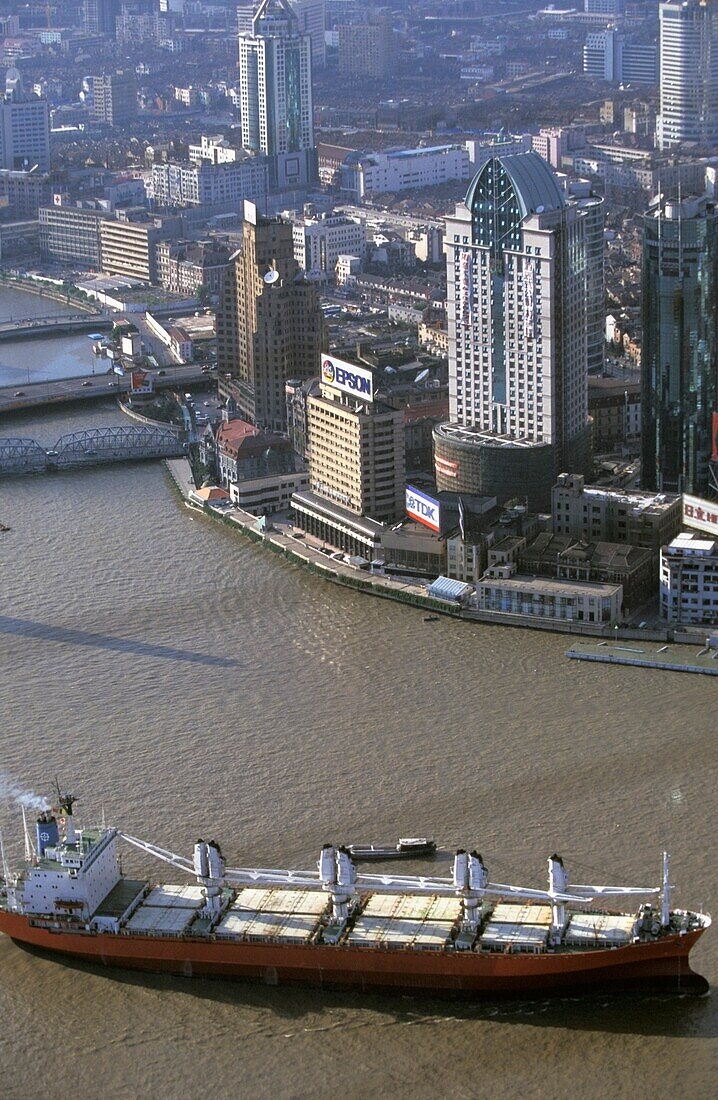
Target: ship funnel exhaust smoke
pixel 10 791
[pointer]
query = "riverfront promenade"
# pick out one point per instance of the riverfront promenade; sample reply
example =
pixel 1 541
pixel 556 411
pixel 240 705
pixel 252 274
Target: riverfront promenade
pixel 280 538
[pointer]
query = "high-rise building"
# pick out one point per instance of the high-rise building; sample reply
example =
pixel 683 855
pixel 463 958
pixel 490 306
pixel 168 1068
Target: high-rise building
pixel 366 49
pixel 114 98
pixel 356 451
pixel 270 326
pixel 517 291
pixel 275 78
pixel 311 16
pixel 591 208
pixel 680 344
pixel 98 16
pixel 24 127
pixel 609 56
pixel 689 73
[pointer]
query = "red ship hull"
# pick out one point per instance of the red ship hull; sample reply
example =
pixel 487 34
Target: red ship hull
pixel 659 965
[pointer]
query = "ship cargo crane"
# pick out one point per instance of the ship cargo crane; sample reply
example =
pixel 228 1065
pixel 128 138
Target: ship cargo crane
pixel 336 874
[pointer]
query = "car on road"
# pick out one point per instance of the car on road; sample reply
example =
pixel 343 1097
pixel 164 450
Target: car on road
pixel 19 393
pixel 161 373
pixel 88 383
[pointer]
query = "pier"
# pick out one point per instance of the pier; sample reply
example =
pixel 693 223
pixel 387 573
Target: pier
pixel 673 658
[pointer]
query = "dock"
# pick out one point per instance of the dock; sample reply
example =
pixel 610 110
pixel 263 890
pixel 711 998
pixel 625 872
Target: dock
pixel 672 658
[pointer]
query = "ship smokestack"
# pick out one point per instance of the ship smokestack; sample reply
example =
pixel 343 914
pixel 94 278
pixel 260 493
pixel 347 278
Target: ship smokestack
pixel 47 832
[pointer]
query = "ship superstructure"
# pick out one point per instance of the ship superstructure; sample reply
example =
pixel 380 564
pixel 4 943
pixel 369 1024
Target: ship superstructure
pixel 335 926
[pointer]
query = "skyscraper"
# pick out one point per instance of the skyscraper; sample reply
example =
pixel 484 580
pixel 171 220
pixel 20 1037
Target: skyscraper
pixel 270 326
pixel 680 344
pixel 24 127
pixel 275 78
pixel 517 290
pixel 311 15
pixel 689 73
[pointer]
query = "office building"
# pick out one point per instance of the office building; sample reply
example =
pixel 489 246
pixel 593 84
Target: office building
pixel 128 245
pixel 356 453
pixel 70 235
pixel 23 193
pixel 366 49
pixel 680 344
pixel 356 462
pixel 689 579
pixel 275 78
pixel 597 513
pixel 590 207
pixel 517 279
pixel 270 326
pixel 114 98
pixel 689 73
pixel 608 55
pixel 24 128
pixel 320 241
pixel 311 18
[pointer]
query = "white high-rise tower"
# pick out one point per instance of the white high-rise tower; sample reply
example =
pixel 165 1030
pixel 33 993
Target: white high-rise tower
pixel 518 261
pixel 275 77
pixel 689 73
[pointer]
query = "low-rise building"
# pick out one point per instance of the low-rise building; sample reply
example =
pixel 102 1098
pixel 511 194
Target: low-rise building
pixel 593 512
pixel 405 169
pixel 633 567
pixel 183 267
pixel 615 411
pixel 503 589
pixel 320 241
pixel 259 469
pixel 689 579
pixel 209 184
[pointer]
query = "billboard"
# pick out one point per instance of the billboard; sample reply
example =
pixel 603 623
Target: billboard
pixel 700 515
pixel 348 377
pixel 424 509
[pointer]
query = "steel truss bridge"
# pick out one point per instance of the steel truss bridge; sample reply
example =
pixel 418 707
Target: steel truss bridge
pixel 92 447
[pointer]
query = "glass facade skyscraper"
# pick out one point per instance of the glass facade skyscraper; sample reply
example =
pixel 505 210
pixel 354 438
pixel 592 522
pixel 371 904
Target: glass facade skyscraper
pixel 275 77
pixel 680 344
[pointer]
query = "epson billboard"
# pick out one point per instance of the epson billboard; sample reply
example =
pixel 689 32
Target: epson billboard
pixel 423 508
pixel 348 377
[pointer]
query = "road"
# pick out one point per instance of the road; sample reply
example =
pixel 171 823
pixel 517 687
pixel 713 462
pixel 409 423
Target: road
pixel 61 390
pixel 32 328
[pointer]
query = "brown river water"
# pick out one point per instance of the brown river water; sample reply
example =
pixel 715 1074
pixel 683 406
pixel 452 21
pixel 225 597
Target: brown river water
pixel 189 683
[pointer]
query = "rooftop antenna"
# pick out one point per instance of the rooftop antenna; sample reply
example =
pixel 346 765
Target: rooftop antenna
pixel 30 854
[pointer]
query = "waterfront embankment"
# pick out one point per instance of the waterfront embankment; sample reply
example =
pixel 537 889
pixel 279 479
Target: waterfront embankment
pixel 338 572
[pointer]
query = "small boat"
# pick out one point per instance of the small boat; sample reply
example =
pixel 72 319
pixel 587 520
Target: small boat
pixel 431 618
pixel 4 527
pixel 405 848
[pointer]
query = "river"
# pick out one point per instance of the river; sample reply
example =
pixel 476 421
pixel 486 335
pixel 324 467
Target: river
pixel 187 683
pixel 26 361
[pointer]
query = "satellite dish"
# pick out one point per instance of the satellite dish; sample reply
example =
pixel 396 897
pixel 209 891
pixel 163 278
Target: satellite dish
pixel 540 209
pixel 271 277
pixel 422 375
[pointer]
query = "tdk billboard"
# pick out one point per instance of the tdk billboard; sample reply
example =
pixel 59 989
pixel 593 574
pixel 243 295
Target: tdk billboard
pixel 348 377
pixel 423 508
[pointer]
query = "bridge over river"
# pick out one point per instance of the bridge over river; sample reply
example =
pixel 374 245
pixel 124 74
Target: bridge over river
pixel 92 447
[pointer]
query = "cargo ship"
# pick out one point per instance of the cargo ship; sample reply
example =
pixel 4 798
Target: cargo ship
pixel 335 927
